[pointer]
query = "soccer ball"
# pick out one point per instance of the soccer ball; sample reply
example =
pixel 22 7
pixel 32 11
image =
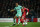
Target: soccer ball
pixel 25 23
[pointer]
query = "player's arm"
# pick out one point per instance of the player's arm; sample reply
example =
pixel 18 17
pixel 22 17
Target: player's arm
pixel 27 11
pixel 12 10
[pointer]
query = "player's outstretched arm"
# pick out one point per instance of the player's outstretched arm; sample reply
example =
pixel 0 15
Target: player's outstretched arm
pixel 27 11
pixel 12 10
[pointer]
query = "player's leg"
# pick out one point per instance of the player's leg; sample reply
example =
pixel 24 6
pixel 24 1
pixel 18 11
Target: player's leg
pixel 24 21
pixel 14 19
pixel 19 16
pixel 23 16
pixel 19 19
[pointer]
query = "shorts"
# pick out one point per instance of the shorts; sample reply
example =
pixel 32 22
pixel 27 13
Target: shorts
pixel 20 14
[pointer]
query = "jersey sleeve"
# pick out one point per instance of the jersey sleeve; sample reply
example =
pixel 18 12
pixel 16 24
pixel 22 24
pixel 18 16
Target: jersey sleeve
pixel 27 9
pixel 21 7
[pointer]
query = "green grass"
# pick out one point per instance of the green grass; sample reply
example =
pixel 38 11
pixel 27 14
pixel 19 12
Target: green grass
pixel 30 24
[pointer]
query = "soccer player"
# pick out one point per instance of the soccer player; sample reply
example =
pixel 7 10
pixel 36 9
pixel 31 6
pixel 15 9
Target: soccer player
pixel 25 12
pixel 19 13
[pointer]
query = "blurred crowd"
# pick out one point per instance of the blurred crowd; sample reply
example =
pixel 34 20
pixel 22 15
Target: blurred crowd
pixel 7 5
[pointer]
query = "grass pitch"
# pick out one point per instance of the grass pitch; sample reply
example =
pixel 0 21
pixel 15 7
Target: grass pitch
pixel 9 24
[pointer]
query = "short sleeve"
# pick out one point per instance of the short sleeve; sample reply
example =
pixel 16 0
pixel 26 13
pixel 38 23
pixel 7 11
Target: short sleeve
pixel 21 7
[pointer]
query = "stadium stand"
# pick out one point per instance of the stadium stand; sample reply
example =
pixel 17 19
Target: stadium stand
pixel 10 4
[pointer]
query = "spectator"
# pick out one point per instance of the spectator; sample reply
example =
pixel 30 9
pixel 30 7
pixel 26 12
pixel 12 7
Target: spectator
pixel 32 14
pixel 6 5
pixel 8 12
